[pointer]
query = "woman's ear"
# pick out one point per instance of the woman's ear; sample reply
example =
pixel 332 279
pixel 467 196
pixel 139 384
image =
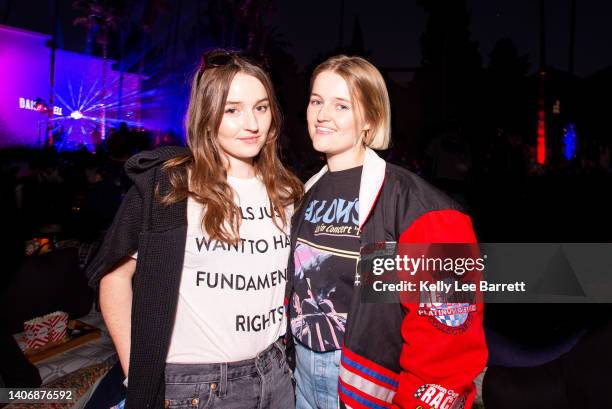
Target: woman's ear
pixel 366 131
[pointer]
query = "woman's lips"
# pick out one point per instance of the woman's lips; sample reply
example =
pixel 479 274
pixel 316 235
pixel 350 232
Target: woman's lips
pixel 321 130
pixel 249 139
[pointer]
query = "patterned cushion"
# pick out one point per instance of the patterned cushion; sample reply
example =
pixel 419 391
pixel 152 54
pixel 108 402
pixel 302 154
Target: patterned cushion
pixel 80 381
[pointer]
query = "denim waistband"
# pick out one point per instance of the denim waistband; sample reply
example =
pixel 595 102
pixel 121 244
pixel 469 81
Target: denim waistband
pixel 223 371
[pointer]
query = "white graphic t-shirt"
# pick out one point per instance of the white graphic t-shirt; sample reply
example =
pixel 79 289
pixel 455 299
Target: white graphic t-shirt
pixel 230 304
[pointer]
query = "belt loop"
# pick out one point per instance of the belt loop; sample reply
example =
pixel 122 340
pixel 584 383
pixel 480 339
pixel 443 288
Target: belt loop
pixel 281 347
pixel 260 355
pixel 223 381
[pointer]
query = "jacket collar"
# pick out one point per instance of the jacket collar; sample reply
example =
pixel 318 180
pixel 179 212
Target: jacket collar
pixel 372 179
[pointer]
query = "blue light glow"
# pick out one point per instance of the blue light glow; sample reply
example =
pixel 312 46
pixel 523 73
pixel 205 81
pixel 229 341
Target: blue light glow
pixel 569 142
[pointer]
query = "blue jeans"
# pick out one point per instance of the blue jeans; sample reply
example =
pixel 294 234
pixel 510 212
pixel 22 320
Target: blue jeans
pixel 262 382
pixel 316 377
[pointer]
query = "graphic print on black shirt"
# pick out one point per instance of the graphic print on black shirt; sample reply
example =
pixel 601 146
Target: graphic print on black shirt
pixel 326 257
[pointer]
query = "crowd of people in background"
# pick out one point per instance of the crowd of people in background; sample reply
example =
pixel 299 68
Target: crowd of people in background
pixel 76 193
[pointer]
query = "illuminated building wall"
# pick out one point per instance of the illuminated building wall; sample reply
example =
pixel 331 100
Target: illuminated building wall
pixel 24 77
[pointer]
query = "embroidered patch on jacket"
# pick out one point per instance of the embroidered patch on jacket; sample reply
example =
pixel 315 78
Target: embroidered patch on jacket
pixel 452 318
pixel 438 397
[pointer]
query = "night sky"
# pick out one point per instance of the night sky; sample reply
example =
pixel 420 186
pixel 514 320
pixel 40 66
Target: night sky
pixel 391 29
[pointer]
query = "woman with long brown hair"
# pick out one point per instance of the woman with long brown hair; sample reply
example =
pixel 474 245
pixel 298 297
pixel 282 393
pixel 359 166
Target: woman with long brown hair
pixel 192 272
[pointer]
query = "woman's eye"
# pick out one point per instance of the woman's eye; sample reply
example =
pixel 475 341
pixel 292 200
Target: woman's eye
pixel 231 110
pixel 343 107
pixel 262 108
pixel 315 102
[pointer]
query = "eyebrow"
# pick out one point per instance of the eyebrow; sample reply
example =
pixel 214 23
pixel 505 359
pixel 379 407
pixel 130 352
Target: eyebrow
pixel 338 98
pixel 240 102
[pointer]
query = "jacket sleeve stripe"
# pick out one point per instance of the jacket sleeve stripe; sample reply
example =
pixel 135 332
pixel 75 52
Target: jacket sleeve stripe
pixel 365 385
pixel 357 399
pixel 383 374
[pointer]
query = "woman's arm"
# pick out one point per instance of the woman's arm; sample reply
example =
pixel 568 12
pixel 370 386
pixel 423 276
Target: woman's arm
pixel 440 362
pixel 116 305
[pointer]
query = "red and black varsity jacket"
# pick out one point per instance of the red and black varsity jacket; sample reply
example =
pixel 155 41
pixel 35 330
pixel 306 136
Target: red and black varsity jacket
pixel 393 356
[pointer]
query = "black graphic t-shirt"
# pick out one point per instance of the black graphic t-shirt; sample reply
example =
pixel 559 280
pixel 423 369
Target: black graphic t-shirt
pixel 326 257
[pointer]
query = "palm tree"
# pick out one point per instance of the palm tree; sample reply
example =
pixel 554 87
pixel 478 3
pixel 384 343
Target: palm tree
pixel 55 20
pixel 98 16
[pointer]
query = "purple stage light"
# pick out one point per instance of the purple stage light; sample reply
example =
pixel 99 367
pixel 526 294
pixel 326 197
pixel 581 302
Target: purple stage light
pixel 78 94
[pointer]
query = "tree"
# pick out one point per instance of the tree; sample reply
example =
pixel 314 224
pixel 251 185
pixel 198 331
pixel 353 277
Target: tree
pixel 451 62
pixel 506 62
pixel 357 44
pixel 507 90
pixel 100 17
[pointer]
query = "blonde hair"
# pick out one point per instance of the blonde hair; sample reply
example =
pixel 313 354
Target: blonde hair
pixel 368 92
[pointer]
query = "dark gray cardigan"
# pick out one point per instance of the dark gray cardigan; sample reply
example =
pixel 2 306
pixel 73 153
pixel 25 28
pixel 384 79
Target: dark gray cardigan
pixel 158 233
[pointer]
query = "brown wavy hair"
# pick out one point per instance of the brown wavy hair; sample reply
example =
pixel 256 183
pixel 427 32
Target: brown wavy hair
pixel 206 177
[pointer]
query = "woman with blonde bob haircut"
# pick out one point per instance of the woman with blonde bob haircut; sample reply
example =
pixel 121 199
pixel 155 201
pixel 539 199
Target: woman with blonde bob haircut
pixel 397 354
pixel 192 272
pixel 367 89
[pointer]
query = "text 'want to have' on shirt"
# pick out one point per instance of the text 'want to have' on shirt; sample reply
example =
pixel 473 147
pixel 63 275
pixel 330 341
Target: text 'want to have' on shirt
pixel 326 257
pixel 230 304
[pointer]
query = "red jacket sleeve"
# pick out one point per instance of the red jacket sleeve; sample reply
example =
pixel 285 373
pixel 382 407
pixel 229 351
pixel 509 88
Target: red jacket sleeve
pixel 441 354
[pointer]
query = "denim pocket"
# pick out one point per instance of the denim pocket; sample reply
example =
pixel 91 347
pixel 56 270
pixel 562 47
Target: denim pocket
pixel 337 357
pixel 188 395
